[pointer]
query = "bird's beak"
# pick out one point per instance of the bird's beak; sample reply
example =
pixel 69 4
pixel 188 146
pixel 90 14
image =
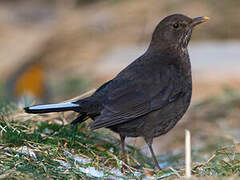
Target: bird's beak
pixel 199 20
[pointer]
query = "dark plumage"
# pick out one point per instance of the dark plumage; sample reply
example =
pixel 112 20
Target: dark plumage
pixel 149 96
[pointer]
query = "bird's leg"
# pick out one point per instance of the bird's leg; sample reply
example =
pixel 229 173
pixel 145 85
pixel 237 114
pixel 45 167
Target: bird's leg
pixel 123 154
pixel 122 138
pixel 149 143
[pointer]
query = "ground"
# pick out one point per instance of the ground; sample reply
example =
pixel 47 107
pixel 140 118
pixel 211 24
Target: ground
pixel 44 146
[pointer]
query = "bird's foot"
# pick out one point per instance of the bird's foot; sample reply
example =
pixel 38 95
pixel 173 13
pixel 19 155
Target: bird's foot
pixel 157 169
pixel 124 163
pixel 124 168
pixel 123 158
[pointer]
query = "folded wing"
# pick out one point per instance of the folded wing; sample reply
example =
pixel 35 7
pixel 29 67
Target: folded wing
pixel 133 96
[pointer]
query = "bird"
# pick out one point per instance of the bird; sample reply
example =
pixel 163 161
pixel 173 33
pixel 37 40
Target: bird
pixel 148 97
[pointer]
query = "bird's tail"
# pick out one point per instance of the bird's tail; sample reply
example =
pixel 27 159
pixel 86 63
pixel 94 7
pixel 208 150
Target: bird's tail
pixel 47 108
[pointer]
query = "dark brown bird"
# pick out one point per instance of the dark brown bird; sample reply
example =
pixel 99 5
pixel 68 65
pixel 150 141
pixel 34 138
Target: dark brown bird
pixel 150 95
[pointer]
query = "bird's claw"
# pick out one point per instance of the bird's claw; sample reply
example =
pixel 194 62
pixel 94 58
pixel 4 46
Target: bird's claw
pixel 157 169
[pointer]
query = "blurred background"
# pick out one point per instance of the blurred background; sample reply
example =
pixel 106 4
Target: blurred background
pixel 53 50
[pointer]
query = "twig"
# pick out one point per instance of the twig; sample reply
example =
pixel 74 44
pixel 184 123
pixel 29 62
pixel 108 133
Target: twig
pixel 211 158
pixel 175 172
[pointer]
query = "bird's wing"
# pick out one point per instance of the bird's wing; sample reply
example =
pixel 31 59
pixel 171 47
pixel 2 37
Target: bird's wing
pixel 137 94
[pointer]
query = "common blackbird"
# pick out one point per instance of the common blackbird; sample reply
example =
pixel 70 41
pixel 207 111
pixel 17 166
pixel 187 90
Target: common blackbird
pixel 150 95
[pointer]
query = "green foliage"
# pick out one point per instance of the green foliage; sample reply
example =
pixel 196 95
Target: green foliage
pixel 33 147
pixel 45 150
pixel 224 162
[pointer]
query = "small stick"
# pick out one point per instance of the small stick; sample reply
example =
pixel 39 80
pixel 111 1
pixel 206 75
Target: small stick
pixel 211 158
pixel 187 154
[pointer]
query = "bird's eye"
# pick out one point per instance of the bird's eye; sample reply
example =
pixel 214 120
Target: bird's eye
pixel 175 25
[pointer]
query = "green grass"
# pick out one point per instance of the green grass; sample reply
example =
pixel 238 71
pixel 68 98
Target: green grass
pixel 224 162
pixel 44 146
pixel 36 149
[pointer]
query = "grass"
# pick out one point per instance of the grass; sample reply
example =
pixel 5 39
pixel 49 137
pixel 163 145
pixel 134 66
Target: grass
pixel 34 148
pixel 224 162
pixel 44 146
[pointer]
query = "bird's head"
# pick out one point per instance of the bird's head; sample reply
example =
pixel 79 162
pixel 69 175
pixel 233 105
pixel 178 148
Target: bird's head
pixel 175 31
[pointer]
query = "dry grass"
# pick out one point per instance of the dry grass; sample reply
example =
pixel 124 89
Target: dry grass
pixel 44 146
